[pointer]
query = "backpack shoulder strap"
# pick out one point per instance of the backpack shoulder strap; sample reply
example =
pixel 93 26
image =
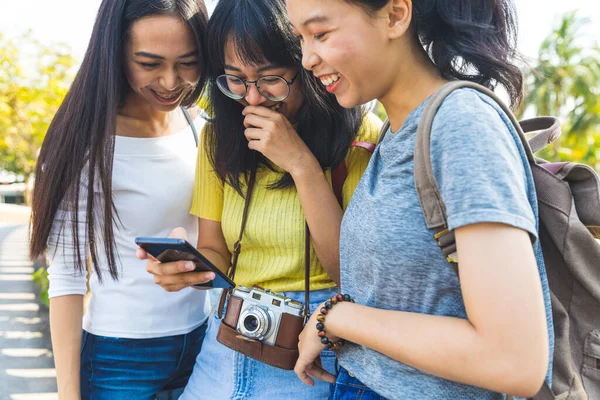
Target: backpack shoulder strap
pixel 432 204
pixel 429 195
pixel 431 201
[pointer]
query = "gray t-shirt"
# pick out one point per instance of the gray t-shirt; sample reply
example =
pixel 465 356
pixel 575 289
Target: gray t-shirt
pixel 389 259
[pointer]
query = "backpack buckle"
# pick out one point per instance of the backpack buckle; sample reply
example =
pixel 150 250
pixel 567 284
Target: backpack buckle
pixel 447 246
pixel 440 234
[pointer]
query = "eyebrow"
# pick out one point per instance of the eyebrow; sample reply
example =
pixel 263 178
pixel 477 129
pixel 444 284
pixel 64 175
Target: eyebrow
pixel 315 20
pixel 157 57
pixel 261 69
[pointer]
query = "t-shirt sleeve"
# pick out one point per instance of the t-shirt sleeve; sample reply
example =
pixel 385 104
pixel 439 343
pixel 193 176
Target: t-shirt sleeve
pixel 63 276
pixel 358 158
pixel 207 200
pixel 479 164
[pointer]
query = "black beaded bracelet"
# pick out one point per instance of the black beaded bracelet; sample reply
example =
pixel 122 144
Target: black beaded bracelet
pixel 321 320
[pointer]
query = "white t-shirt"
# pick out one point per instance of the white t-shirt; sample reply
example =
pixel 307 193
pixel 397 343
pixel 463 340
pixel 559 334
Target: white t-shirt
pixel 152 180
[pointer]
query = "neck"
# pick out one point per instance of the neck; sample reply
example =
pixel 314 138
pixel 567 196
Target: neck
pixel 137 108
pixel 412 83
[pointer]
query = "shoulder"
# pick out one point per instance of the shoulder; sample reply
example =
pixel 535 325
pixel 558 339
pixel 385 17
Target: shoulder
pixel 370 128
pixel 472 119
pixel 469 107
pixel 474 140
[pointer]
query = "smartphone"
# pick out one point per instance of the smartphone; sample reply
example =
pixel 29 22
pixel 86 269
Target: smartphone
pixel 172 249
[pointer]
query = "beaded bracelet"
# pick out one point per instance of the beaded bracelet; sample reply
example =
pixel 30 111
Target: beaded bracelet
pixel 321 320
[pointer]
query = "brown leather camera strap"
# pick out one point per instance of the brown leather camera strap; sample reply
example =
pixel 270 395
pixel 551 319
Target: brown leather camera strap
pixel 237 248
pixel 306 312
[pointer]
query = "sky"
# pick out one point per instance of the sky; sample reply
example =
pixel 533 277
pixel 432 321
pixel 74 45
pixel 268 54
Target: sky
pixel 71 21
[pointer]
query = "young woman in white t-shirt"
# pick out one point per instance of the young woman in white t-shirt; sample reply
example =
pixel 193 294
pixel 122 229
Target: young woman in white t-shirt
pixel 118 162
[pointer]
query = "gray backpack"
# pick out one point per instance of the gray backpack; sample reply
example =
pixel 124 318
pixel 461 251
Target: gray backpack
pixel 569 212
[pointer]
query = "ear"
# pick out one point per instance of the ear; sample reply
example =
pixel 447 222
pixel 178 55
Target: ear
pixel 399 14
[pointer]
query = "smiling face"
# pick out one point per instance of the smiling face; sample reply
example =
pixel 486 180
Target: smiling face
pixel 288 107
pixel 161 59
pixel 344 47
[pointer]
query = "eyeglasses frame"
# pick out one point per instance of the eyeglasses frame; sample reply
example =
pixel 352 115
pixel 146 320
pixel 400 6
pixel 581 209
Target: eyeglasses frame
pixel 255 83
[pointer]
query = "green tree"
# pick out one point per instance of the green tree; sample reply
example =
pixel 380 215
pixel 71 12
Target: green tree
pixel 34 79
pixel 566 83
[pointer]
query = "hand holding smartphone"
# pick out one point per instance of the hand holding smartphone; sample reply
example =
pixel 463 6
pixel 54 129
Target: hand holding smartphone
pixel 174 249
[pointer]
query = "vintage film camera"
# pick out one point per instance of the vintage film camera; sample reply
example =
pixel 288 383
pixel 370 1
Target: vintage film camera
pixel 265 316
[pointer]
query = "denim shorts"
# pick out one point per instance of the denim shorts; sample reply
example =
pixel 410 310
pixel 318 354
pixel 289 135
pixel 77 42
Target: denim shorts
pixel 347 387
pixel 137 369
pixel 222 374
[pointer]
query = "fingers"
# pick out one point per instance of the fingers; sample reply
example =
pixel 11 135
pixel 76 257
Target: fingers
pixel 256 145
pixel 318 372
pixel 141 254
pixel 256 121
pixel 171 268
pixel 174 283
pixel 260 111
pixel 254 134
pixel 179 233
pixel 306 371
pixel 258 117
pixel 300 370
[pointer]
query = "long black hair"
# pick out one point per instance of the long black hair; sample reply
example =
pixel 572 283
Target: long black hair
pixel 261 33
pixel 83 130
pixel 471 40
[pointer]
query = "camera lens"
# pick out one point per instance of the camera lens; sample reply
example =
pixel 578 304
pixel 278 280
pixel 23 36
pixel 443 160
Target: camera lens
pixel 254 322
pixel 251 323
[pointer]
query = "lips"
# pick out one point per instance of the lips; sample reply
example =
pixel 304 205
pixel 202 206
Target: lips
pixel 167 98
pixel 330 79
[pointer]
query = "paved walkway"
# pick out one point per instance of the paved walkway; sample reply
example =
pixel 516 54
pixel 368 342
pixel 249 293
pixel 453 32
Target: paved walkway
pixel 26 364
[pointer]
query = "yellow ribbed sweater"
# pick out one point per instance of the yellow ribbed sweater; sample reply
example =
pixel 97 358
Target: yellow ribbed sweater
pixel 272 253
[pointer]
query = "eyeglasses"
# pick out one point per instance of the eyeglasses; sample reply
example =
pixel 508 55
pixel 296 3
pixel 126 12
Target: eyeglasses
pixel 272 87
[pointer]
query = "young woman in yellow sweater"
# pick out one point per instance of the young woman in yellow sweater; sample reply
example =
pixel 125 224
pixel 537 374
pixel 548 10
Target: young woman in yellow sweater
pixel 271 116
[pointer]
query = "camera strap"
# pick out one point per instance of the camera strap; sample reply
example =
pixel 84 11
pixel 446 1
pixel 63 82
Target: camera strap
pixel 237 248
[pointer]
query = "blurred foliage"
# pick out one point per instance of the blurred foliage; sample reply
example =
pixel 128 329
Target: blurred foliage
pixel 34 79
pixel 566 83
pixel 40 278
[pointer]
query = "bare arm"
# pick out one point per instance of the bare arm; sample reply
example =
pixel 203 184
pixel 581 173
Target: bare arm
pixel 66 313
pixel 323 215
pixel 212 244
pixel 502 346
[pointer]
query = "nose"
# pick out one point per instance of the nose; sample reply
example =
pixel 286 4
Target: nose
pixel 169 79
pixel 309 58
pixel 253 96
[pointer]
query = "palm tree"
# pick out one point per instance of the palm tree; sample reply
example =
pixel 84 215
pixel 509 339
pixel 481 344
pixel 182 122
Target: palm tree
pixel 566 83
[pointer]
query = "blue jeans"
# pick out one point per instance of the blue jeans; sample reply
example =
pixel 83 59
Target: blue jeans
pixel 224 374
pixel 137 369
pixel 347 387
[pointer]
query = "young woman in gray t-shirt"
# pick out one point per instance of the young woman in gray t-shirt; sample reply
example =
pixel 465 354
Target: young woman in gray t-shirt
pixel 416 329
